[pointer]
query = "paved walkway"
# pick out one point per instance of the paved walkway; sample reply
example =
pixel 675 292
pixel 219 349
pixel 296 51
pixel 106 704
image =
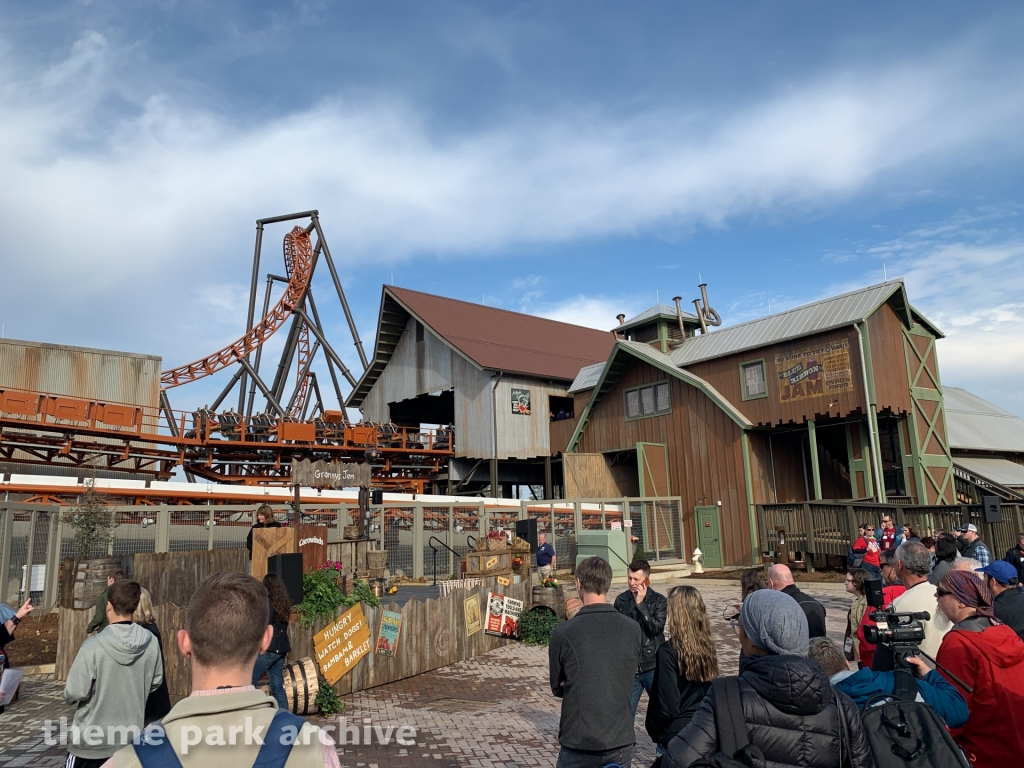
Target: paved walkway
pixel 493 711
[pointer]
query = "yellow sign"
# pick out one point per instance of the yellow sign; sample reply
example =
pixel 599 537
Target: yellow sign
pixel 504 581
pixel 341 645
pixel 491 562
pixel 472 609
pixel 824 370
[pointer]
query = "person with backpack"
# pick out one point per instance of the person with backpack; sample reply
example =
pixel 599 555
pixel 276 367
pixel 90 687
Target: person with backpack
pixel 781 711
pixel 865 684
pixel 984 659
pixel 226 627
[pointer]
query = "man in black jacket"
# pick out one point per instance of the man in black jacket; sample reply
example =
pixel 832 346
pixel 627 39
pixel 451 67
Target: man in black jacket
pixel 1008 606
pixel 592 659
pixel 649 609
pixel 1015 557
pixel 780 578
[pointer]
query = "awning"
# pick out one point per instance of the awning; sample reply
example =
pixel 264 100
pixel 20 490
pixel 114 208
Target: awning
pixel 999 471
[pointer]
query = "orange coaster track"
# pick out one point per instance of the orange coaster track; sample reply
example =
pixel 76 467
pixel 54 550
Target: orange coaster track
pixel 298 254
pixel 57 431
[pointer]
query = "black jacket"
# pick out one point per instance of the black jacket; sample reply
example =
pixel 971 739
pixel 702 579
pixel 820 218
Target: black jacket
pixel 280 644
pixel 650 615
pixel 792 715
pixel 674 699
pixel 1016 558
pixel 815 611
pixel 592 660
pixel 1009 609
pixel 248 539
pixel 158 703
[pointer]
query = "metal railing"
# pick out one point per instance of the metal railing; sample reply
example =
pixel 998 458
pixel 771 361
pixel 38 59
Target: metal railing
pixel 35 538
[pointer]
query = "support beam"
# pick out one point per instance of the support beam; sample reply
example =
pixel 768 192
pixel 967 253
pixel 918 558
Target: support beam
pixel 341 295
pixel 330 363
pixel 495 489
pixel 259 351
pixel 327 347
pixel 263 387
pixel 751 508
pixel 872 417
pixel 227 390
pixel 812 442
pixel 251 317
pixel 305 372
pixel 172 425
pixel 548 487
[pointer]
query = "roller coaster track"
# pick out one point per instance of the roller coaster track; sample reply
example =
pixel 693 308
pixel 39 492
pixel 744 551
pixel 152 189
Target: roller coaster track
pixel 298 255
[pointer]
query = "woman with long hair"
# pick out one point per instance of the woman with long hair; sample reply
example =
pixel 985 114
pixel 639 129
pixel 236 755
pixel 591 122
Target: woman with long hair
pixel 855 580
pixel 272 660
pixel 751 580
pixel 945 553
pixel 686 665
pixel 159 702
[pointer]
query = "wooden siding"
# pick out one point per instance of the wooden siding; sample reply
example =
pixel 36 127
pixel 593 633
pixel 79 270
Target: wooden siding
pixel 724 375
pixel 704 449
pixel 419 368
pixel 589 476
pixel 887 361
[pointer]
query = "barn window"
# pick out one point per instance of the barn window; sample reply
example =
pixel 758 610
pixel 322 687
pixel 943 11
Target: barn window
pixel 649 400
pixel 752 380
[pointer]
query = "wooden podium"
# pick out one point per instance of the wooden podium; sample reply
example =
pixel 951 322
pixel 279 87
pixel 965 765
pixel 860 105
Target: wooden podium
pixel 310 540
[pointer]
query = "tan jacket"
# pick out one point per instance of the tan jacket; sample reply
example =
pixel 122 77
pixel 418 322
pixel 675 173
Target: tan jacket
pixel 215 715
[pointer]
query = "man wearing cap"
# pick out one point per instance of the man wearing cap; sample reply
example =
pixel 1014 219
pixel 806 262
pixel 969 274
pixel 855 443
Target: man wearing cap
pixel 1008 606
pixel 974 546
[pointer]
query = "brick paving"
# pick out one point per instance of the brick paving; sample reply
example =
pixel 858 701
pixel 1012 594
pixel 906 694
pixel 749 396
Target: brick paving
pixel 493 711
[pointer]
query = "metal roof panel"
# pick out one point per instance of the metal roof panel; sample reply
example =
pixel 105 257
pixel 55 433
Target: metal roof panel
pixel 976 424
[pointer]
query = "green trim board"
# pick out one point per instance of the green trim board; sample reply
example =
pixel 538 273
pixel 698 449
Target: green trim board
pixel 917 369
pixel 863 464
pixel 812 445
pixel 873 447
pixel 751 507
pixel 743 379
pixel 622 356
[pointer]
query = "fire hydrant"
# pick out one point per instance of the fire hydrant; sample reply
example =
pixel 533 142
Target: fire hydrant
pixel 698 561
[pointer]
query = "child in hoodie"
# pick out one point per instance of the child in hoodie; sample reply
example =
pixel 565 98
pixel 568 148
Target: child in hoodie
pixel 110 680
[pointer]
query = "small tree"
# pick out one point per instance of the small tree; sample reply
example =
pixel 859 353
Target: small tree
pixel 92 520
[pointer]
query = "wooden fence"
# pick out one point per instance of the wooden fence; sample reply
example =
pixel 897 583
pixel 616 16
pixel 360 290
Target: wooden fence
pixel 433 635
pixel 172 577
pixel 829 528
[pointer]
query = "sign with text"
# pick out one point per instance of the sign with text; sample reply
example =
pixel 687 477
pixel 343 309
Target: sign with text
pixel 823 370
pixel 330 474
pixel 390 628
pixel 503 615
pixel 471 607
pixel 521 401
pixel 339 646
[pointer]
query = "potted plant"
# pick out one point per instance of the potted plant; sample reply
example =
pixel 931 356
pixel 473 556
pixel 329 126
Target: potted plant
pixel 93 521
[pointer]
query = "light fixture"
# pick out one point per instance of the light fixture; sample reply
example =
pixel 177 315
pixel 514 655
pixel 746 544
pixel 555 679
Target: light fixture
pixel 147 521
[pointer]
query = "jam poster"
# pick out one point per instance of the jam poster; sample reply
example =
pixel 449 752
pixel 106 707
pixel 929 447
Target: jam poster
pixel 823 370
pixel 503 615
pixel 472 609
pixel 387 638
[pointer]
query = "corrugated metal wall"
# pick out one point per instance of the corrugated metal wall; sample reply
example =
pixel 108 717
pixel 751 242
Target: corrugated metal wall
pixel 78 372
pixel 415 369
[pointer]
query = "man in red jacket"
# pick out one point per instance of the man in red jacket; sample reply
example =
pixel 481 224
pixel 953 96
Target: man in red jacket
pixel 984 659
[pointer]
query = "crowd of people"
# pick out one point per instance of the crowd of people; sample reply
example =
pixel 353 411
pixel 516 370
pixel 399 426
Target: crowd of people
pixel 801 696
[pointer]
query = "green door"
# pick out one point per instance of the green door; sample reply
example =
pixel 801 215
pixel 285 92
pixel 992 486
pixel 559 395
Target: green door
pixel 708 538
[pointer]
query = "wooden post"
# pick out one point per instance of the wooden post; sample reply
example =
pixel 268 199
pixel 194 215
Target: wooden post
pixel 812 442
pixel 851 523
pixel 809 535
pixel 549 492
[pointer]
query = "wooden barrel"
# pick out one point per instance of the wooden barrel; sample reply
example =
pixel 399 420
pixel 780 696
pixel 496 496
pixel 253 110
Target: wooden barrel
pixel 91 579
pixel 549 597
pixel 301 686
pixel 376 559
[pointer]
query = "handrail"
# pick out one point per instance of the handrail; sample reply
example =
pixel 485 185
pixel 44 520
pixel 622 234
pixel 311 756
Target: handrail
pixel 435 551
pixel 471 541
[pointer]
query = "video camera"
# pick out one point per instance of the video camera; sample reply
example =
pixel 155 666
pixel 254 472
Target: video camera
pixel 902 633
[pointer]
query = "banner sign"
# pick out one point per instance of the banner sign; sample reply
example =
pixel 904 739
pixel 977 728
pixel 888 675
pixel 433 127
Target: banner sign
pixel 521 401
pixel 823 370
pixel 330 474
pixel 503 615
pixel 339 646
pixel 471 607
pixel 387 638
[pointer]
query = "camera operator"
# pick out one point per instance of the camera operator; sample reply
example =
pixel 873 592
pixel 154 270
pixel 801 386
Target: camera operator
pixel 865 684
pixel 912 568
pixel 984 659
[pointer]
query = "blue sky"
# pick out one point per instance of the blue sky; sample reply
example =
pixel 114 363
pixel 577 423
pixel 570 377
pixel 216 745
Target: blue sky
pixel 574 160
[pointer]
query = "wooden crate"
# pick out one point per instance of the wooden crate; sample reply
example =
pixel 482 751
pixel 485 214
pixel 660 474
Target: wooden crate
pixel 488 563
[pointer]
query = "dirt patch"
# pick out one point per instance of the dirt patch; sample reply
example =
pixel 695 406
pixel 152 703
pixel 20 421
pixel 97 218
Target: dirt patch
pixel 35 641
pixel 817 577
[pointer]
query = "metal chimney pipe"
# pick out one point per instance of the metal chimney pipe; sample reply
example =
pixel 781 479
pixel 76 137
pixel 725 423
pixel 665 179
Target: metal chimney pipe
pixel 679 316
pixel 621 319
pixel 700 317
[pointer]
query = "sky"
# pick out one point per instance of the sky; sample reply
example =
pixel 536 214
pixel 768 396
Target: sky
pixel 572 160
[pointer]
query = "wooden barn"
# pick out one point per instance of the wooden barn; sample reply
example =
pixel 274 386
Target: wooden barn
pixel 839 399
pixel 499 378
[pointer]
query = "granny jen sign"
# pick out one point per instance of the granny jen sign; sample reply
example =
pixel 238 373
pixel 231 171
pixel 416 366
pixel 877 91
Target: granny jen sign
pixel 330 474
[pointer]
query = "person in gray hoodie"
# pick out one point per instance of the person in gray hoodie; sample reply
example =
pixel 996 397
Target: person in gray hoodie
pixel 110 679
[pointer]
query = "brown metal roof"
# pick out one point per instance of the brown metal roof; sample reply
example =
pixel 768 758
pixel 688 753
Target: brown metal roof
pixel 495 339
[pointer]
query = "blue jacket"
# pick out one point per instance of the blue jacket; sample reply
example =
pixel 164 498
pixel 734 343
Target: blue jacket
pixel 934 690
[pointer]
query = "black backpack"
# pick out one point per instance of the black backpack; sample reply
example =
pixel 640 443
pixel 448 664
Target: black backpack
pixel 735 749
pixel 904 732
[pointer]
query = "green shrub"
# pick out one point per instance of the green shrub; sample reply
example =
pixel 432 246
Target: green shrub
pixel 322 597
pixel 327 700
pixel 535 626
pixel 638 553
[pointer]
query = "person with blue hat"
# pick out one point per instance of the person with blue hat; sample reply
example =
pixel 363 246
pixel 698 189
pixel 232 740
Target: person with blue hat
pixel 1008 606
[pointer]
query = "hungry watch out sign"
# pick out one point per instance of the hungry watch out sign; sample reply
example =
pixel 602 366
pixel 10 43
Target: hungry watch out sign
pixel 340 646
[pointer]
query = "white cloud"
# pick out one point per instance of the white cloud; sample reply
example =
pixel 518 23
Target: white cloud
pixel 591 311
